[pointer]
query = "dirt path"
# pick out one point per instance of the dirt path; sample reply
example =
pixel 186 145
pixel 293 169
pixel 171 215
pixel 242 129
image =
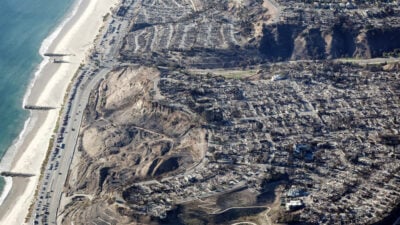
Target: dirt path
pixel 370 61
pixel 273 10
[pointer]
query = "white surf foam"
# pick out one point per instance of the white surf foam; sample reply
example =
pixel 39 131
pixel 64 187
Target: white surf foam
pixel 6 161
pixel 47 42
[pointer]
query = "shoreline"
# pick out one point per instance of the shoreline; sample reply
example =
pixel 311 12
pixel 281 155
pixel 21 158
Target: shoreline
pixel 8 160
pixel 6 189
pixel 48 44
pixel 48 87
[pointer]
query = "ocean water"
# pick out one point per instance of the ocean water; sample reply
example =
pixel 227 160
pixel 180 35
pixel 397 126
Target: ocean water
pixel 24 24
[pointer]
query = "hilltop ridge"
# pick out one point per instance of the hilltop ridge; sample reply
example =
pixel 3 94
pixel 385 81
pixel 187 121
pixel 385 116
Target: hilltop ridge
pixel 238 111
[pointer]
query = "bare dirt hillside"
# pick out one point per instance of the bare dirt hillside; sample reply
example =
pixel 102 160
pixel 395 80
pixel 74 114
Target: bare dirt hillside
pixel 129 136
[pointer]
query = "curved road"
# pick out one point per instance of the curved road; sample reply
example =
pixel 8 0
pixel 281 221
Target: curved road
pixel 51 187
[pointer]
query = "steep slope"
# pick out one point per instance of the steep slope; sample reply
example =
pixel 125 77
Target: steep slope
pixel 130 135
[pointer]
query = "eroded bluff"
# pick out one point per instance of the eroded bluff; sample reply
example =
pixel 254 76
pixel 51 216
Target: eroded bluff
pixel 129 135
pixel 215 34
pixel 183 147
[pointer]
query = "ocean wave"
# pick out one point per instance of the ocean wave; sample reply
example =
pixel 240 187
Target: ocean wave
pixel 7 159
pixel 44 47
pixel 6 189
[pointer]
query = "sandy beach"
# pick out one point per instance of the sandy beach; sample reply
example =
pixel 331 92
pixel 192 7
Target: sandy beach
pixel 76 38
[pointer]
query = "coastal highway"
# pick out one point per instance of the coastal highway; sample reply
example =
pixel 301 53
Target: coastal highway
pixel 46 210
pixel 51 186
